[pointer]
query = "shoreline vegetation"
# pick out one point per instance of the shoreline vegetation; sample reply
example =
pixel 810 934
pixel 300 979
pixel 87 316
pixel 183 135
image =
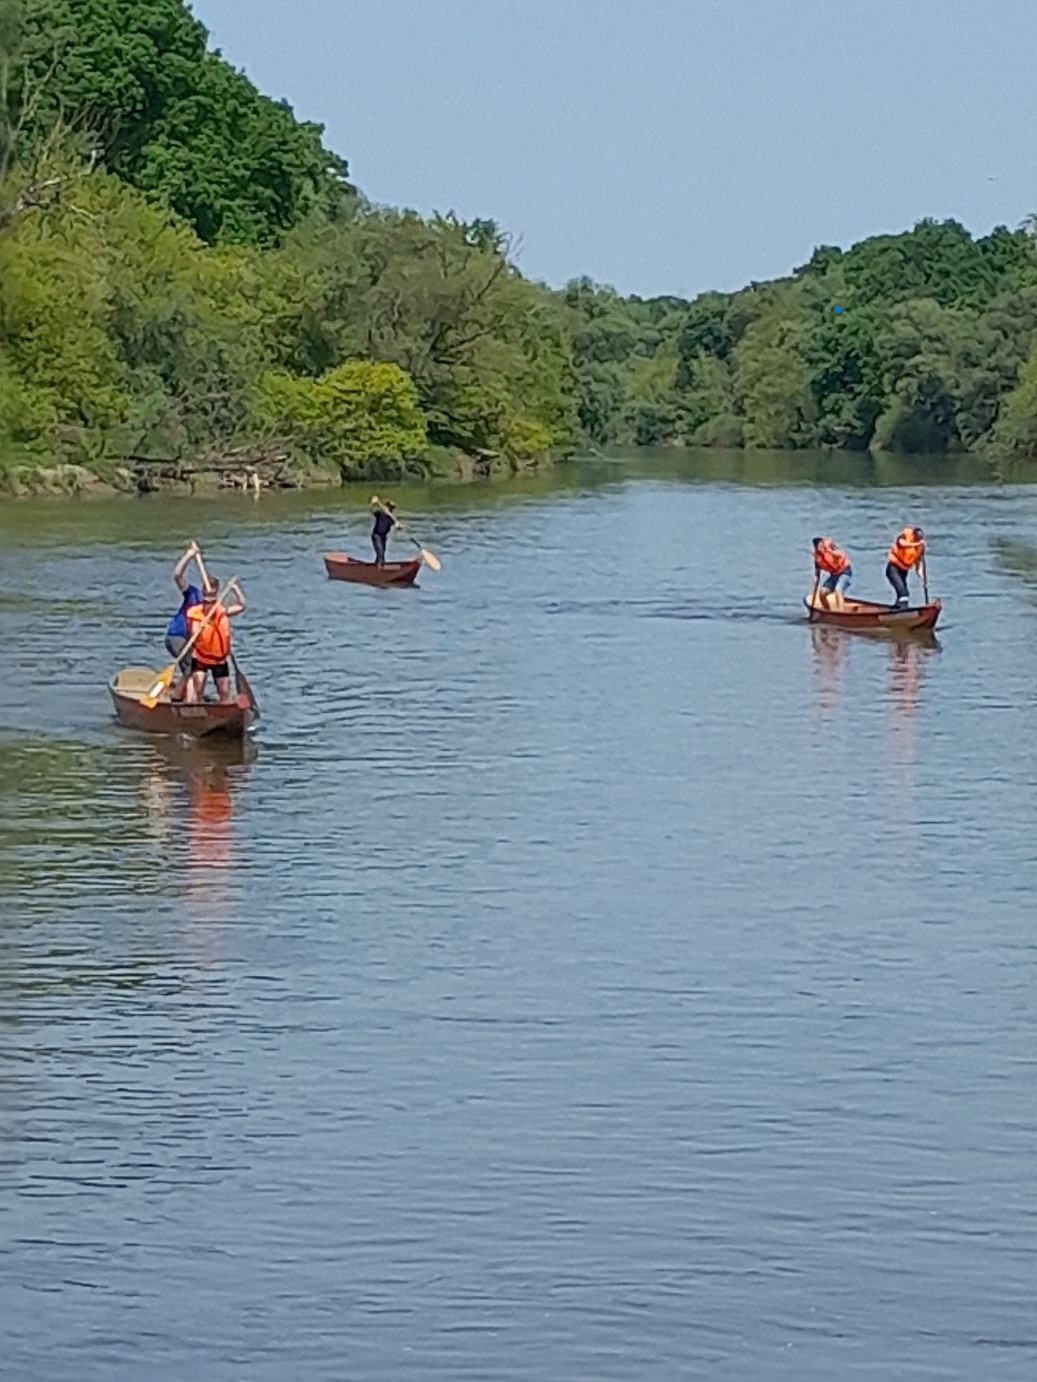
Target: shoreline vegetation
pixel 192 290
pixel 251 471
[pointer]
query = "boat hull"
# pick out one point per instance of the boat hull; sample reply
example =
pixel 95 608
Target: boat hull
pixel 206 720
pixel 343 568
pixel 865 616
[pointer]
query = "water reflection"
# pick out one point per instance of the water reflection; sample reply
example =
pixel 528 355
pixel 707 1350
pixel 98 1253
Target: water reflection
pixel 188 793
pixel 829 648
pixel 907 662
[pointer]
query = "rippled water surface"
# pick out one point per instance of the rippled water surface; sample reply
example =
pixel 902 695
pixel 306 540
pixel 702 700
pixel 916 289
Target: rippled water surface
pixel 591 972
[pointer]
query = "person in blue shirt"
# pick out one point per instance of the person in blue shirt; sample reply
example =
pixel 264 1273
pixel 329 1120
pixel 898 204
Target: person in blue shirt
pixel 177 632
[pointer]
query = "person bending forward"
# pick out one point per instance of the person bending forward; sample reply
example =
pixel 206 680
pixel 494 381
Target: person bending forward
pixel 834 565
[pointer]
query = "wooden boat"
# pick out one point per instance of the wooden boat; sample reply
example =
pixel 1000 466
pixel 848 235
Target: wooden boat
pixel 342 568
pixel 865 616
pixel 216 719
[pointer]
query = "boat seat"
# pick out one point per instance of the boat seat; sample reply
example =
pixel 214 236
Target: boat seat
pixel 135 681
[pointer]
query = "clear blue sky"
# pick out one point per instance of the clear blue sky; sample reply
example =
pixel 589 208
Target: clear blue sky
pixel 664 145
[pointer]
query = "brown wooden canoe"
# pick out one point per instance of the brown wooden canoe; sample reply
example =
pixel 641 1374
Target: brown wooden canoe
pixel 342 568
pixel 224 720
pixel 864 616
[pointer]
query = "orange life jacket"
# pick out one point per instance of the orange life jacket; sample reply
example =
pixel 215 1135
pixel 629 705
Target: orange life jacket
pixel 828 557
pixel 213 643
pixel 906 552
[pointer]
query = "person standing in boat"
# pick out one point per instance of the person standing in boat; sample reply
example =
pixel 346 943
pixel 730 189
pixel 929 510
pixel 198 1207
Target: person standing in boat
pixel 907 553
pixel 833 564
pixel 211 653
pixel 384 522
pixel 176 632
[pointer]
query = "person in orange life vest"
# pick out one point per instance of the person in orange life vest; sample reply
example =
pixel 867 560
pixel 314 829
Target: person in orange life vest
pixel 834 565
pixel 212 650
pixel 908 551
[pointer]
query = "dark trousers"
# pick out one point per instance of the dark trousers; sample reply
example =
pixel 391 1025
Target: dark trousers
pixel 378 543
pixel 898 580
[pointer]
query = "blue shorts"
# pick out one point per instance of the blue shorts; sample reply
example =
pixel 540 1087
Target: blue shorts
pixel 842 581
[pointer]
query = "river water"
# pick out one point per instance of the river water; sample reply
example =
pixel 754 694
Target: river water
pixel 592 972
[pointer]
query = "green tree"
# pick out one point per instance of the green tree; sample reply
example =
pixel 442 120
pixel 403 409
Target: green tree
pixel 921 380
pixel 1016 429
pixel 846 370
pixel 484 347
pixel 357 416
pixel 173 118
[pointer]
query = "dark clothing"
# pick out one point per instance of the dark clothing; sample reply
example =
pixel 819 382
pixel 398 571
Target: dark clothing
pixel 378 543
pixel 175 645
pixel 219 671
pixel 383 523
pixel 898 580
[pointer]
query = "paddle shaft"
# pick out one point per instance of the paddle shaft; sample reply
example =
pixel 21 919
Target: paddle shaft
pixel 925 579
pixel 204 574
pixel 813 594
pixel 239 676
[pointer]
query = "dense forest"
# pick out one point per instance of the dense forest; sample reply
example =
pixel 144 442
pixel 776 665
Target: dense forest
pixel 185 269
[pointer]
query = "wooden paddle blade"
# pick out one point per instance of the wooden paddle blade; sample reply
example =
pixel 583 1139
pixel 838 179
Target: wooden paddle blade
pixel 244 688
pixel 430 559
pixel 163 680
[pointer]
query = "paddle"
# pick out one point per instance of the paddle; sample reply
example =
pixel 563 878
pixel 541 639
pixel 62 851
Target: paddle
pixel 165 677
pixel 925 579
pixel 239 676
pixel 429 558
pixel 244 686
pixel 813 595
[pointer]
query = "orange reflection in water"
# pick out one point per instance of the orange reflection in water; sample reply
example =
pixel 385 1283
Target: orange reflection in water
pixel 212 862
pixel 211 809
pixel 188 791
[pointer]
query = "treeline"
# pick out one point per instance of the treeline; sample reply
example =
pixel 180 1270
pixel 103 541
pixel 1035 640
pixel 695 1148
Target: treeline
pixel 185 268
pixel 920 342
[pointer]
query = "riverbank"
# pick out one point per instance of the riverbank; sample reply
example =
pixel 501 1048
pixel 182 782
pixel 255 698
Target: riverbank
pixel 25 478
